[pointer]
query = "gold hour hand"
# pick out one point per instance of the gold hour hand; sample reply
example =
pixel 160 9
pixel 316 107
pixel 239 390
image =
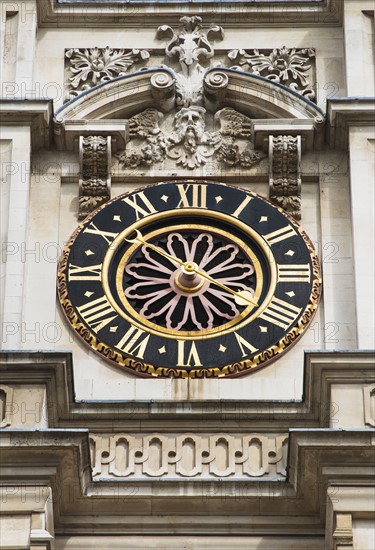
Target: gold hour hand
pixel 139 239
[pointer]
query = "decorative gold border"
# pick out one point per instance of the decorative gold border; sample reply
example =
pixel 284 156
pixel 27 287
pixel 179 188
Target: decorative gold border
pixel 232 325
pixel 233 370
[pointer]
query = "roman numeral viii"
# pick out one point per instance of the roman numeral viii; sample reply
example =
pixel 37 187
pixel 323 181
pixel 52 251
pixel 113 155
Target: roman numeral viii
pixel 280 313
pixel 97 313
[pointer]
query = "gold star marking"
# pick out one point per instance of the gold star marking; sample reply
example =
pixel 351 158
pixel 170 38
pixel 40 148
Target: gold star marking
pixel 289 253
pixel 222 348
pixel 116 218
pixel 164 198
pixel 162 350
pixel 113 329
pixel 218 199
pixel 263 219
pixel 89 252
pixel 88 293
pixel 263 329
pixel 290 293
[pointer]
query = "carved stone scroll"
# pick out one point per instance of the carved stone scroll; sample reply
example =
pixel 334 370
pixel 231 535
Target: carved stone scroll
pixel 189 455
pixel 285 173
pixel 191 45
pixel 95 173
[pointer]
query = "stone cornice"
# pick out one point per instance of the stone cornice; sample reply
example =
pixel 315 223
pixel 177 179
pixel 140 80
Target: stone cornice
pixel 345 112
pixel 36 113
pixel 61 459
pixel 54 369
pixel 238 14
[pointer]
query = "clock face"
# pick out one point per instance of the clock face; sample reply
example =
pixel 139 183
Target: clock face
pixel 189 279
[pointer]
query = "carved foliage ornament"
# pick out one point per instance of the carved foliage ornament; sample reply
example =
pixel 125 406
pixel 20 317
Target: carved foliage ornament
pixel 190 45
pixel 288 66
pixel 190 144
pixel 93 66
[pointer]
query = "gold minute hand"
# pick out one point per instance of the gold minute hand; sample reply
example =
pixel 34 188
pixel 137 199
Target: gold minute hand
pixel 242 297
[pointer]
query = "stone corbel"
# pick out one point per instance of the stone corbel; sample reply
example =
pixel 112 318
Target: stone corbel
pixel 368 395
pixel 343 533
pixel 285 173
pixel 6 406
pixel 95 173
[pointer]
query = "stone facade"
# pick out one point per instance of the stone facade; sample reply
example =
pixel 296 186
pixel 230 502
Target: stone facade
pixel 100 98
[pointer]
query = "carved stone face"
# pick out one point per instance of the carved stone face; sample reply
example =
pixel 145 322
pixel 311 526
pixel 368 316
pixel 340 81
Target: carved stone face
pixel 190 121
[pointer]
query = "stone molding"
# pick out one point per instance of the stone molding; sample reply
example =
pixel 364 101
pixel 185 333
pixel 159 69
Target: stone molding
pixel 258 95
pixel 345 112
pixel 53 13
pixel 35 113
pixel 321 371
pixel 295 505
pixel 183 455
pixel 67 133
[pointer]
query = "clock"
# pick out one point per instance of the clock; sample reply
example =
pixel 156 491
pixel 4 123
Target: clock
pixel 189 279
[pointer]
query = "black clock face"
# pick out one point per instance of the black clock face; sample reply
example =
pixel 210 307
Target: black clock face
pixel 189 279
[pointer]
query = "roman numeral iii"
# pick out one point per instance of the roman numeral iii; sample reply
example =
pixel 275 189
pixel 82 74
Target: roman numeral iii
pixel 294 273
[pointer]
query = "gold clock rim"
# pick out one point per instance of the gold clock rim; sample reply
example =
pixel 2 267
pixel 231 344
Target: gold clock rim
pixel 231 370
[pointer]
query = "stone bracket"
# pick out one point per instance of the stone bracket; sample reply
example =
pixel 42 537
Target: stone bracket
pixel 68 132
pixel 285 173
pixel 95 173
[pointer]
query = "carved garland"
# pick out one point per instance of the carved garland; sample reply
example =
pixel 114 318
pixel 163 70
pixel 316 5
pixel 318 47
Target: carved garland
pixel 95 173
pixel 285 173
